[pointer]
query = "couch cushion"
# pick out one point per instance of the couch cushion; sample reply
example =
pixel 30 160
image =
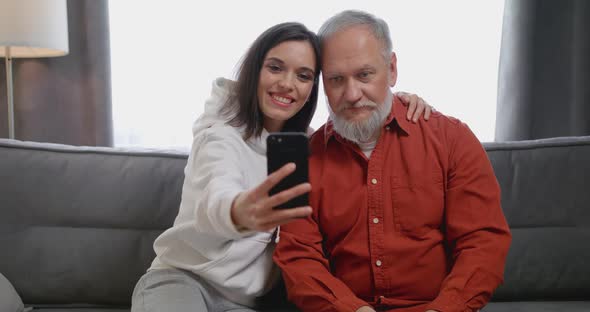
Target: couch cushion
pixel 77 224
pixel 70 309
pixel 541 306
pixel 546 199
pixel 127 310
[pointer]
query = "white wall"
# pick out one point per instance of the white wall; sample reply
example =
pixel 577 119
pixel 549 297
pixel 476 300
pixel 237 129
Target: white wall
pixel 165 55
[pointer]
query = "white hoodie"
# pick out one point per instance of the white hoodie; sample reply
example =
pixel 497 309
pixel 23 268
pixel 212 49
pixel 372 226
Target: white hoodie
pixel 203 238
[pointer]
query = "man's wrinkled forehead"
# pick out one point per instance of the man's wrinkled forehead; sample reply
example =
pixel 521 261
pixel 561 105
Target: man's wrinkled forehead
pixel 346 33
pixel 355 44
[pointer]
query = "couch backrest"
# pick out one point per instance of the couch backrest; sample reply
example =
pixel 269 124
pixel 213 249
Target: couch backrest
pixel 77 224
pixel 546 199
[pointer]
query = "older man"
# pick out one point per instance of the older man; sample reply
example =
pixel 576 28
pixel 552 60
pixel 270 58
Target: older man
pixel 406 216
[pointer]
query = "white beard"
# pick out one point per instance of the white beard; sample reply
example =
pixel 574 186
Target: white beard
pixel 363 131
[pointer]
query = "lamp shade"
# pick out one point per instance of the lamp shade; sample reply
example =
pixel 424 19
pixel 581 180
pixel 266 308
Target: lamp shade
pixel 34 28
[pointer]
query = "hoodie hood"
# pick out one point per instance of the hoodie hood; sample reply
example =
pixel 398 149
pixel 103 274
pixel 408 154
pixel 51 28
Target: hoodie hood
pixel 221 89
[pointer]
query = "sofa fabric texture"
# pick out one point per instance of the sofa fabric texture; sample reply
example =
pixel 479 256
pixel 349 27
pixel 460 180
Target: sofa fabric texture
pixel 77 224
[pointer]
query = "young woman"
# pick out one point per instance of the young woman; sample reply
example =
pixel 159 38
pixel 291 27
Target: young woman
pixel 218 254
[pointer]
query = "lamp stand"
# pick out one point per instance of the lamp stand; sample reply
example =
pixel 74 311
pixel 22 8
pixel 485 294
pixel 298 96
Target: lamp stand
pixel 9 94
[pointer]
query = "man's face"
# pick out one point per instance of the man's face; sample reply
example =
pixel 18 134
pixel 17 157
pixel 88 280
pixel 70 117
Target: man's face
pixel 355 74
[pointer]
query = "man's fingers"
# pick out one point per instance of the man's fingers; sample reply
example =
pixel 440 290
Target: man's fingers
pixel 273 179
pixel 287 195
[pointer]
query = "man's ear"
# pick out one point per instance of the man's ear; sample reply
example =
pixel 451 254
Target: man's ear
pixel 393 70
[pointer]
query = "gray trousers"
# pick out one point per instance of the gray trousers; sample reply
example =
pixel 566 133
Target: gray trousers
pixel 173 290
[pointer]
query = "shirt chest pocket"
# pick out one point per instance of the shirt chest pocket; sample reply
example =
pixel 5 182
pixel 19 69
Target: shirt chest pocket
pixel 418 203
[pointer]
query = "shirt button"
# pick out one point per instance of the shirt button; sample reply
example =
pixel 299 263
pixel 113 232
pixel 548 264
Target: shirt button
pixel 375 220
pixel 387 128
pixel 374 181
pixel 378 263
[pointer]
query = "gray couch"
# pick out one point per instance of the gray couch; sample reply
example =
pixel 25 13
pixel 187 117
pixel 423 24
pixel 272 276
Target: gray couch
pixel 77 224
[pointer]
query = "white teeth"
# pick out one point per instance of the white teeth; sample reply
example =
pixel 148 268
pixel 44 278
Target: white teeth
pixel 282 99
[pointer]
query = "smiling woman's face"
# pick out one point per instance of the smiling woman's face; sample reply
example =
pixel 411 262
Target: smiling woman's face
pixel 286 80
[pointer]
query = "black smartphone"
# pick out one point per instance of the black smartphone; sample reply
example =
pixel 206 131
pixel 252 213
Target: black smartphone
pixel 283 148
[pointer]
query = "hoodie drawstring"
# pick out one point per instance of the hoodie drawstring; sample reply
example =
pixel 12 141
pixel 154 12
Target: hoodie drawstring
pixel 278 234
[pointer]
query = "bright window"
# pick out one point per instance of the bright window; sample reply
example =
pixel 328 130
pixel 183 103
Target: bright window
pixel 165 56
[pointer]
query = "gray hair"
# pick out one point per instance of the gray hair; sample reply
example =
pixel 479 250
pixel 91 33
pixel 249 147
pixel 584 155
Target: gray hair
pixel 349 18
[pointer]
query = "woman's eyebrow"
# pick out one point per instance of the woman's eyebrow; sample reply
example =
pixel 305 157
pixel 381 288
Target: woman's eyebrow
pixel 275 59
pixel 278 60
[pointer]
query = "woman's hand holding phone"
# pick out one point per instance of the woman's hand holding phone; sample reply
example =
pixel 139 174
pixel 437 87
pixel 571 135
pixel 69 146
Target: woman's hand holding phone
pixel 253 209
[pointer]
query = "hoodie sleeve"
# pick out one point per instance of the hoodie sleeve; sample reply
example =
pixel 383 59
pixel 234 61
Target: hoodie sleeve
pixel 213 178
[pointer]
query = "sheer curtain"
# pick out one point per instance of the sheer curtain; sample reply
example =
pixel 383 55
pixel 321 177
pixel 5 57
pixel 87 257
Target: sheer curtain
pixel 165 56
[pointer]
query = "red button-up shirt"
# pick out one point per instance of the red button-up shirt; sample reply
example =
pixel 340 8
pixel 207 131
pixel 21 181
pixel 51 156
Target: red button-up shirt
pixel 416 226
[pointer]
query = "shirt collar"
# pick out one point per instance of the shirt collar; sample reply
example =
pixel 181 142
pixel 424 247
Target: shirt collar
pixel 396 118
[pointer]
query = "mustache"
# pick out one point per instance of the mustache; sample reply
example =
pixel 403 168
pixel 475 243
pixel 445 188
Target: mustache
pixel 358 104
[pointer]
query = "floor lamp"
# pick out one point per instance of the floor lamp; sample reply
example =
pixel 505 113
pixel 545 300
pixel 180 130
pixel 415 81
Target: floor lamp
pixel 30 29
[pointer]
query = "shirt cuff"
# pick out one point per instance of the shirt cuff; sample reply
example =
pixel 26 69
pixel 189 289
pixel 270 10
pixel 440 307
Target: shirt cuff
pixel 352 304
pixel 448 303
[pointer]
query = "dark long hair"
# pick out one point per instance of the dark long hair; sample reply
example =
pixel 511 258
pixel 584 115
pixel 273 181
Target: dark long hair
pixel 242 106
